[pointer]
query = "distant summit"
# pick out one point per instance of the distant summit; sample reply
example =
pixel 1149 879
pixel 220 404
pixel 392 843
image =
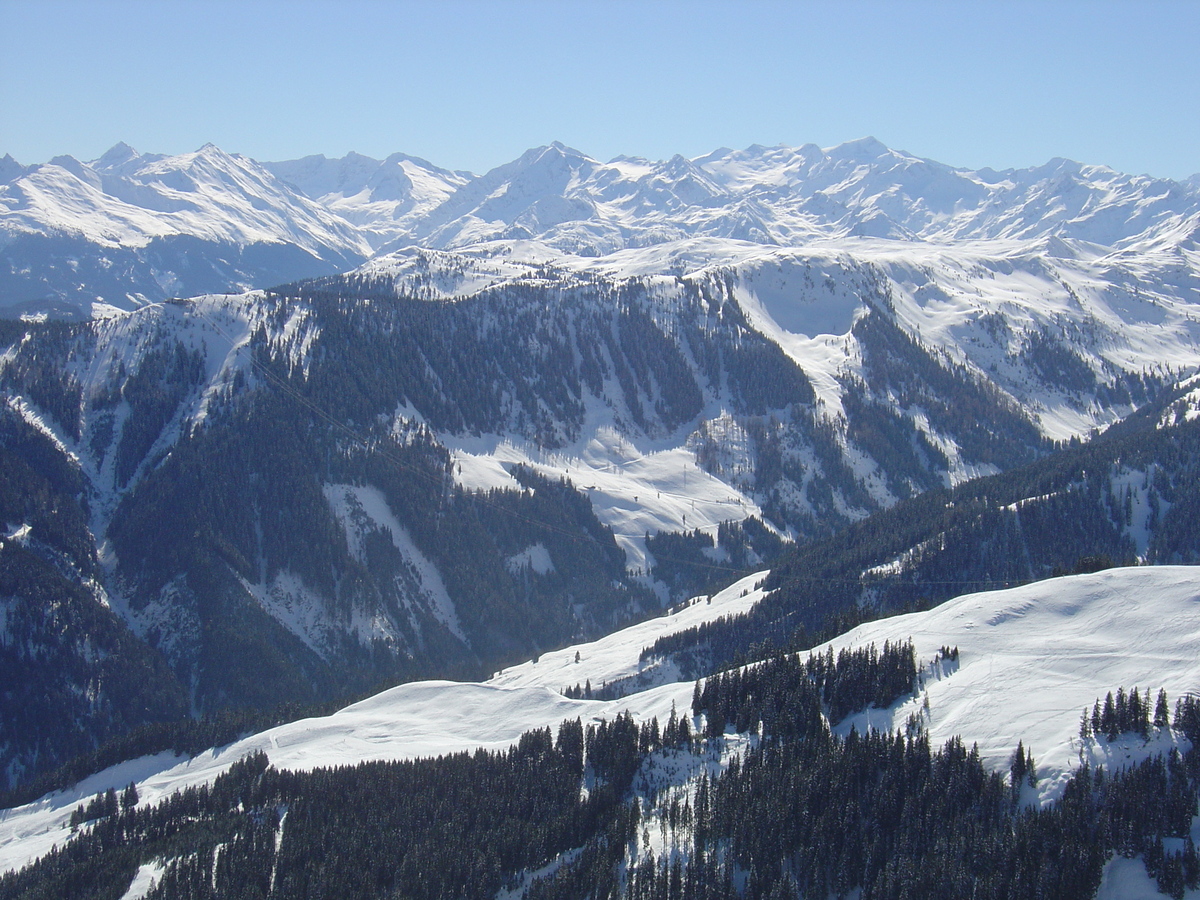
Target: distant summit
pixel 213 221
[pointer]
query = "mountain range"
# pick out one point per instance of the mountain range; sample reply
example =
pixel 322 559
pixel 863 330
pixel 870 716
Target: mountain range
pixel 129 228
pixel 277 435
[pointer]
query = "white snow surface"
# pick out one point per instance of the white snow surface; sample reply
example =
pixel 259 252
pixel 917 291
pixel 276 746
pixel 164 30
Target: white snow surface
pixel 1127 879
pixel 636 487
pixel 1031 658
pixel 126 199
pixel 535 558
pixel 384 198
pixel 414 720
pixel 145 879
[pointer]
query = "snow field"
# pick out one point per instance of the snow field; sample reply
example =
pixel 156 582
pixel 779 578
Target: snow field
pixel 406 722
pixel 634 490
pixel 1031 658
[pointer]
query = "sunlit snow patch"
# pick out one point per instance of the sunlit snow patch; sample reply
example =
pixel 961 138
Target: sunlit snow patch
pixel 634 492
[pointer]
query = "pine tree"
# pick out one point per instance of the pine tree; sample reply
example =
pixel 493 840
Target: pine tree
pixel 1018 768
pixel 1191 865
pixel 1162 714
pixel 1108 718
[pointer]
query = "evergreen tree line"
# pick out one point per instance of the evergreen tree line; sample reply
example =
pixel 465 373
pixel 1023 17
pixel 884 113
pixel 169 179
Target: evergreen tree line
pixel 183 735
pixel 42 372
pixel 1128 713
pixel 73 674
pixel 791 698
pixel 802 813
pixel 681 563
pixel 883 814
pixel 813 815
pixel 459 825
pixel 481 818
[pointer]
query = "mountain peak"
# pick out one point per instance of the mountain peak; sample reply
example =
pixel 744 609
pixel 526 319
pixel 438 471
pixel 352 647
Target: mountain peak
pixel 118 153
pixel 557 149
pixel 74 166
pixel 212 151
pixel 555 161
pixel 863 150
pixel 10 169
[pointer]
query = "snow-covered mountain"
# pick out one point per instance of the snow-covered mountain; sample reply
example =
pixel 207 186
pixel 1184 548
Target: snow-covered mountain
pixel 126 229
pixel 787 197
pixel 116 228
pixel 1116 629
pixel 553 398
pixel 1048 321
pixel 379 486
pixel 1051 282
pixel 382 198
pixel 767 195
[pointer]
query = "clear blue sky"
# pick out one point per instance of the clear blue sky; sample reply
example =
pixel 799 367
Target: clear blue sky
pixel 470 84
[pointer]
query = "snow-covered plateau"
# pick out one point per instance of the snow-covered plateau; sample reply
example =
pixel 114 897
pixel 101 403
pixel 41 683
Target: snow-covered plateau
pixel 1030 659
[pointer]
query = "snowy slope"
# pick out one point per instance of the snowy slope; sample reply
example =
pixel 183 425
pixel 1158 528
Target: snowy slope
pixel 871 190
pixel 636 486
pixel 962 303
pixel 382 197
pixel 128 227
pixel 123 199
pixel 987 304
pixel 789 196
pixel 406 722
pixel 1030 659
pixel 706 467
pixel 356 206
